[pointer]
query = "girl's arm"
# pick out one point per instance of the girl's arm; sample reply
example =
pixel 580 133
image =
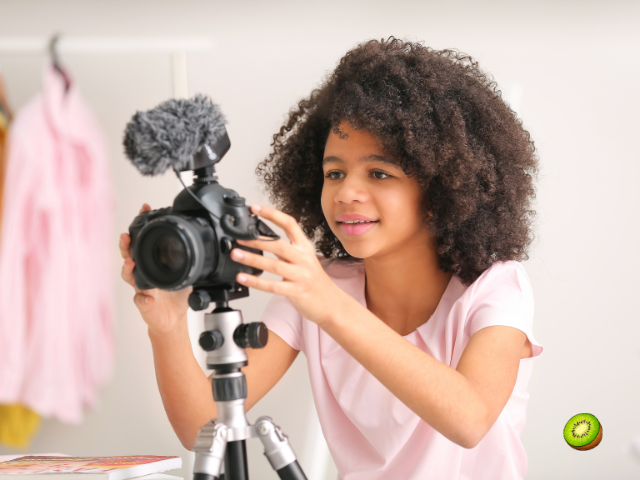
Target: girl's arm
pixel 185 389
pixel 462 404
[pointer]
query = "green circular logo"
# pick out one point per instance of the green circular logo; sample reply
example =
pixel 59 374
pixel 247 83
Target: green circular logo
pixel 583 431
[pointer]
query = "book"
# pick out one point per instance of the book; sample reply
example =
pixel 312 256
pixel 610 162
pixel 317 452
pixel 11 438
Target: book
pixel 158 476
pixel 86 468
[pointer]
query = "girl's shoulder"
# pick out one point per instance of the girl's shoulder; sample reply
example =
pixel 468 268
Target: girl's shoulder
pixel 500 267
pixel 501 277
pixel 504 269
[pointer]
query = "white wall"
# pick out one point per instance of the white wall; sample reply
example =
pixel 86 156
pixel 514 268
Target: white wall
pixel 572 69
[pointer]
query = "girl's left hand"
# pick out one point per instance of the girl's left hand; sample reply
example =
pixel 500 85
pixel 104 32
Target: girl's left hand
pixel 304 282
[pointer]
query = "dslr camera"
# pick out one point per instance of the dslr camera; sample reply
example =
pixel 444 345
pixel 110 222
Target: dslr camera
pixel 190 242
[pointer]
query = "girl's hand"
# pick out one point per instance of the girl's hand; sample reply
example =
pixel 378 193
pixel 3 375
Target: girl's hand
pixel 304 282
pixel 160 309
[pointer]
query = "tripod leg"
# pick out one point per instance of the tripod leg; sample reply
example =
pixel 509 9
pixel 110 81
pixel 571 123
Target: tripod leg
pixel 210 447
pixel 235 461
pixel 278 450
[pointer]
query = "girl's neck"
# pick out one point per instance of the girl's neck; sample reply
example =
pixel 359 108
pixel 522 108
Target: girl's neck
pixel 404 288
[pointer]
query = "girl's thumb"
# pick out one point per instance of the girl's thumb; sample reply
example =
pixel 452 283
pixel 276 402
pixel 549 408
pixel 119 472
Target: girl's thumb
pixel 143 302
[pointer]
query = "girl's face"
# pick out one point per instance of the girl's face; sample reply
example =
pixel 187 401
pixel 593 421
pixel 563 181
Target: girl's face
pixel 359 184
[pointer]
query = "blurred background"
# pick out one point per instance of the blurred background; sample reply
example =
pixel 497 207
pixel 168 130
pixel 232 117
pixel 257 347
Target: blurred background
pixel 570 69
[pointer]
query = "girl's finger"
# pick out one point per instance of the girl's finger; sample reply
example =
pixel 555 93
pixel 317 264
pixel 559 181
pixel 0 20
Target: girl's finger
pixel 125 242
pixel 145 208
pixel 277 287
pixel 285 270
pixel 127 275
pixel 283 250
pixel 284 221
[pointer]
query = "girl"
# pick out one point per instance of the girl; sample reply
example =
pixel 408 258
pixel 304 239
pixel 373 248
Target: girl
pixel 414 179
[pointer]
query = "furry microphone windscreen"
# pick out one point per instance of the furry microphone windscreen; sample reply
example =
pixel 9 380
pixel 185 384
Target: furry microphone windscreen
pixel 169 134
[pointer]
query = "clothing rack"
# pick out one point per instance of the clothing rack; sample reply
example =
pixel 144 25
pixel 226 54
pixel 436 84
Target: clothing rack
pixel 176 47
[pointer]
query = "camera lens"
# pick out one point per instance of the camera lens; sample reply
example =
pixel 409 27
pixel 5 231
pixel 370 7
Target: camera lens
pixel 174 251
pixel 170 253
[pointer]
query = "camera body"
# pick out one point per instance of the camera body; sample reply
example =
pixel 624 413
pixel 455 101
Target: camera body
pixel 187 244
pixel 190 242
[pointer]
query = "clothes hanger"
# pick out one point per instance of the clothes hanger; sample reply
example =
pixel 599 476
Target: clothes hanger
pixel 5 112
pixel 55 59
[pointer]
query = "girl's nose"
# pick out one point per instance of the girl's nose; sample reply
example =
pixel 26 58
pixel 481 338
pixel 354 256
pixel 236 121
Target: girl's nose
pixel 351 190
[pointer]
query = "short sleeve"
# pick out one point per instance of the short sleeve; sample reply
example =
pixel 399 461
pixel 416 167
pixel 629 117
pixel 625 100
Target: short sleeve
pixel 282 318
pixel 503 296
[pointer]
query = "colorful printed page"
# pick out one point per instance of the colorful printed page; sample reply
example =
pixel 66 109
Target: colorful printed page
pixel 6 458
pixel 115 468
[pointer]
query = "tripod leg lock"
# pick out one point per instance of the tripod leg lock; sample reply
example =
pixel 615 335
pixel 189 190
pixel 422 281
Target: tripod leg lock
pixel 276 445
pixel 210 447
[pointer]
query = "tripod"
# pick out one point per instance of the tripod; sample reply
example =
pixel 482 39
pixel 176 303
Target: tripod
pixel 220 446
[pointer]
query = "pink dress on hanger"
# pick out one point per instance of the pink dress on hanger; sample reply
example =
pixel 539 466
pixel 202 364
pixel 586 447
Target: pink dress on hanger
pixel 56 331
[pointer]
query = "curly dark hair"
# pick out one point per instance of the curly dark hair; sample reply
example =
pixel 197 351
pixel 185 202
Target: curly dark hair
pixel 444 122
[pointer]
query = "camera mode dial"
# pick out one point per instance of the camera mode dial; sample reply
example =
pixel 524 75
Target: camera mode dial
pixel 234 201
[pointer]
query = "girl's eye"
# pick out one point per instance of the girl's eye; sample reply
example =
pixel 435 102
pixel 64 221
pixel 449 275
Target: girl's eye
pixel 330 175
pixel 380 171
pixel 375 173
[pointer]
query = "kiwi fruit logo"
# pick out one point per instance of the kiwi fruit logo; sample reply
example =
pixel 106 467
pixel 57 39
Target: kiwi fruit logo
pixel 583 431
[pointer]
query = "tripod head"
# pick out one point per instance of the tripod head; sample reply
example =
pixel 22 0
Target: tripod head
pixel 226 336
pixel 221 295
pixel 221 442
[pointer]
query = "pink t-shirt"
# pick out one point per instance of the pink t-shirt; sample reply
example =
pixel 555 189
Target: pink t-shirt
pixel 370 433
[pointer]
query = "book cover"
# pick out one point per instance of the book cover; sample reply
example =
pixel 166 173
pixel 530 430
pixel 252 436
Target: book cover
pixel 87 468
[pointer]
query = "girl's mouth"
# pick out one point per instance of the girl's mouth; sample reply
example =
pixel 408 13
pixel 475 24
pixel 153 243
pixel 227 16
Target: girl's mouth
pixel 354 229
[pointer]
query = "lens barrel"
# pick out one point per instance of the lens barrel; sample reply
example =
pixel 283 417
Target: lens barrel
pixel 175 251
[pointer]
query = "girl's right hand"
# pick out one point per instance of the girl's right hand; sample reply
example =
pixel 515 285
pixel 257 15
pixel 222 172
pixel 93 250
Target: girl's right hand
pixel 160 309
